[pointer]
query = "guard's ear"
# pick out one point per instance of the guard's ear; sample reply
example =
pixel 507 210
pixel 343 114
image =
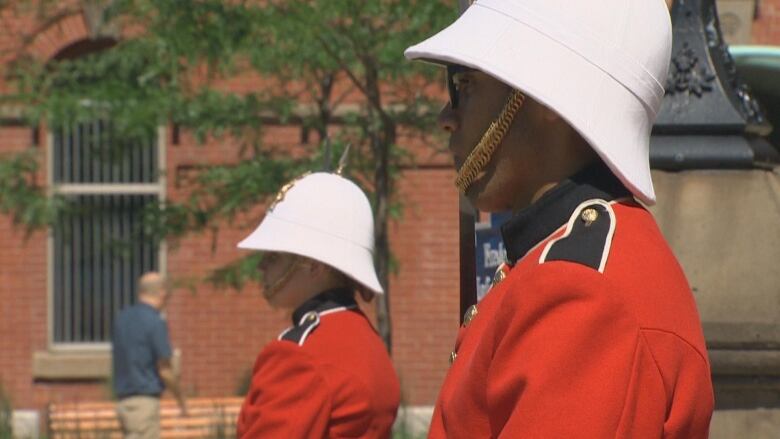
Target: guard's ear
pixel 367 295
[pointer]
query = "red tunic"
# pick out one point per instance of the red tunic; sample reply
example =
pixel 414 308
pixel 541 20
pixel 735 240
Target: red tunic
pixel 328 376
pixel 593 333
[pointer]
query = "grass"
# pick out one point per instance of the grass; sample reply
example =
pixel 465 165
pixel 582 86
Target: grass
pixel 403 430
pixel 6 410
pixel 407 435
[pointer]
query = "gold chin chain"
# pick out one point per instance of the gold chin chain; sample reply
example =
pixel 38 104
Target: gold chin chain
pixel 480 156
pixel 274 289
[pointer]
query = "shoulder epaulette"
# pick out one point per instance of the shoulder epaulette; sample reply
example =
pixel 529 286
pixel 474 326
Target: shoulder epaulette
pixel 587 238
pixel 298 333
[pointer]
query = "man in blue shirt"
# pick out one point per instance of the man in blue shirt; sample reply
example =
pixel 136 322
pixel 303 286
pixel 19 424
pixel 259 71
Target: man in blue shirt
pixel 142 361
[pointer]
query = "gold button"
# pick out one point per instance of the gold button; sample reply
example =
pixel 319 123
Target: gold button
pixel 310 316
pixel 453 356
pixel 470 314
pixel 589 216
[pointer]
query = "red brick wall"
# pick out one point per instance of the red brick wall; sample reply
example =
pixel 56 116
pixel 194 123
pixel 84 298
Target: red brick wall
pixel 22 292
pixel 220 332
pixel 424 304
pixel 766 28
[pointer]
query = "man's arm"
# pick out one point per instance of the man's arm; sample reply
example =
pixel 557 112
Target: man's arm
pixel 161 344
pixel 171 382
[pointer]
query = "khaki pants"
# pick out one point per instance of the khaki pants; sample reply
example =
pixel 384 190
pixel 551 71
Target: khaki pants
pixel 139 417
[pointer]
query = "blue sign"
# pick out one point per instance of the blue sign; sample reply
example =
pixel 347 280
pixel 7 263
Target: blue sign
pixel 490 250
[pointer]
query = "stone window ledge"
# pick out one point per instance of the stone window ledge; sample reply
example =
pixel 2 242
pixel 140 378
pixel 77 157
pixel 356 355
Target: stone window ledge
pixel 81 365
pixel 53 365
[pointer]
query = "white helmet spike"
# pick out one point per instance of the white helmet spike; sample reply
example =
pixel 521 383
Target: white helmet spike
pixel 325 217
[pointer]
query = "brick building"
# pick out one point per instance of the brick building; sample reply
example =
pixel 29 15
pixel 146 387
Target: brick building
pixel 49 356
pixel 219 332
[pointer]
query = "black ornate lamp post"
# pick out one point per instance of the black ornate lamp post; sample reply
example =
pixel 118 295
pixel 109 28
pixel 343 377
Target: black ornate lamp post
pixel 709 118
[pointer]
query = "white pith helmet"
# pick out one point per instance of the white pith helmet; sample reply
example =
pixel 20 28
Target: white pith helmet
pixel 324 217
pixel 600 66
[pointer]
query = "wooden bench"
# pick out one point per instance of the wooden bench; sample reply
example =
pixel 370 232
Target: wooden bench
pixel 208 418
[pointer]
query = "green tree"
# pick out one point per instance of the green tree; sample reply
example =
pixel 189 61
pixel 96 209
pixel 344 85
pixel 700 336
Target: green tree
pixel 334 68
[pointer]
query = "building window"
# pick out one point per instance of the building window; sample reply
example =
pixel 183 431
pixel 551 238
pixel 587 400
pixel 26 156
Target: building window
pixel 98 248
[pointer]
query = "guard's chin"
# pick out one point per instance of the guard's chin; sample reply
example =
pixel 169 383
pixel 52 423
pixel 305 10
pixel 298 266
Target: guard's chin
pixel 476 193
pixel 486 195
pixel 269 294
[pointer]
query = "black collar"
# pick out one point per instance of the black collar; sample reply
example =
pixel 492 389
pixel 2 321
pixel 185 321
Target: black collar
pixel 536 222
pixel 330 299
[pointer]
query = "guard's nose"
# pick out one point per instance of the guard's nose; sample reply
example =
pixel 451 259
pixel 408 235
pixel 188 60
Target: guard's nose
pixel 448 119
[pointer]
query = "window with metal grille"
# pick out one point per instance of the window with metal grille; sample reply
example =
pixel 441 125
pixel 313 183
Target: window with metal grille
pixel 98 248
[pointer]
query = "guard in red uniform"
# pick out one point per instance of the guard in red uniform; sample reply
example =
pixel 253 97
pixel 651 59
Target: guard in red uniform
pixel 329 374
pixel 590 329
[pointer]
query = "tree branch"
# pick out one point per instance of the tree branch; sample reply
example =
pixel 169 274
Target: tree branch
pixel 348 71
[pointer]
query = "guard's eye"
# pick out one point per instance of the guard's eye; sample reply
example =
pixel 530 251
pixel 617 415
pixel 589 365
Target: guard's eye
pixel 461 80
pixel 268 259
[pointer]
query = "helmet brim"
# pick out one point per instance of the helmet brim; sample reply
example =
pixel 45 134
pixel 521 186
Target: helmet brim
pixel 279 235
